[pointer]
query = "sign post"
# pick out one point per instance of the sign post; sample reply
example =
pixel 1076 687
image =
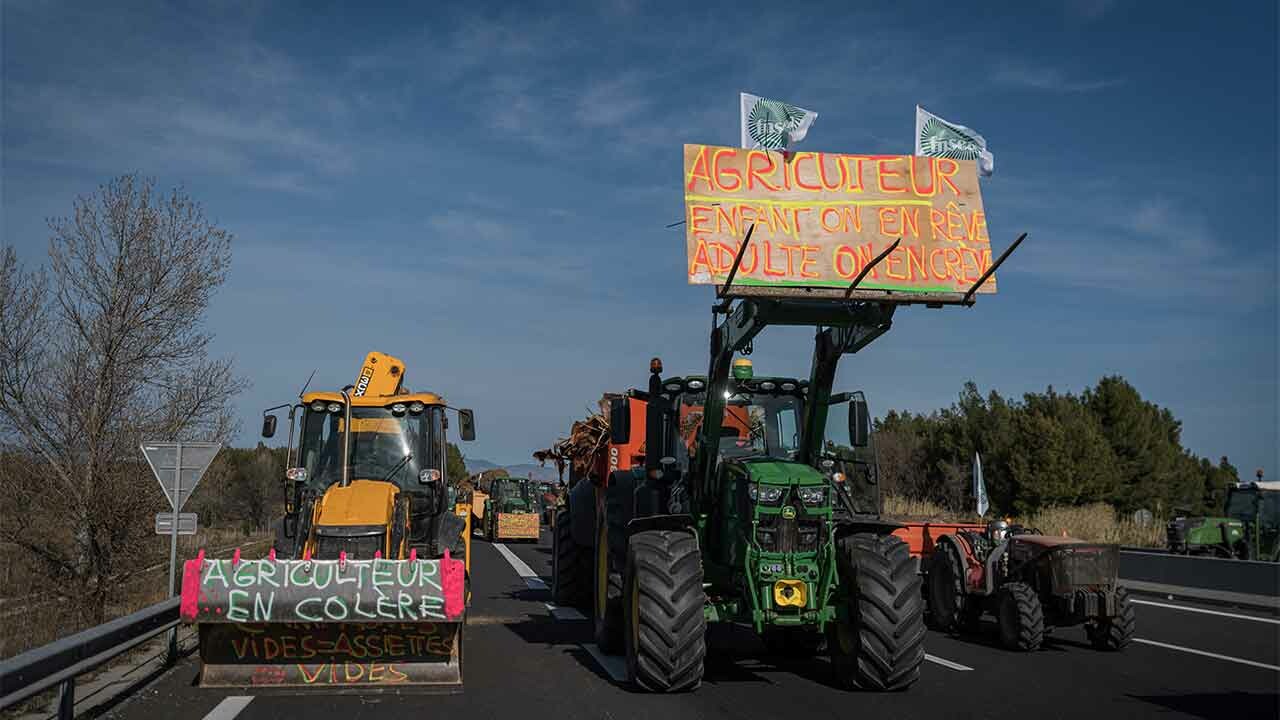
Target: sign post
pixel 178 467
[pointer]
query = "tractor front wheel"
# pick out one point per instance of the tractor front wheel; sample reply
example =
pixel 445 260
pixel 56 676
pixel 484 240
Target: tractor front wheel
pixel 570 566
pixel 1021 617
pixel 663 611
pixel 880 643
pixel 1114 633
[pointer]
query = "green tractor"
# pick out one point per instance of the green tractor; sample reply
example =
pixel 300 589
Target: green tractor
pixel 1249 530
pixel 751 509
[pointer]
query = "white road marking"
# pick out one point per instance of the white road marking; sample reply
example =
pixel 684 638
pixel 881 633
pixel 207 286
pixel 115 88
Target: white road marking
pixel 1193 651
pixel 612 664
pixel 517 564
pixel 563 613
pixel 229 707
pixel 1206 612
pixel 946 663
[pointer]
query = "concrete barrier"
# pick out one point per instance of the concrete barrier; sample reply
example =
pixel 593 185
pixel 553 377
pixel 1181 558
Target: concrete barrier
pixel 1240 582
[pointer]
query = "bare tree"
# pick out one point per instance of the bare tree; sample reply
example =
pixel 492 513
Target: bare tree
pixel 101 350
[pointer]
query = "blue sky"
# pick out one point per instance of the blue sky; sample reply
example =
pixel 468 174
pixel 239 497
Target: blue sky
pixel 481 190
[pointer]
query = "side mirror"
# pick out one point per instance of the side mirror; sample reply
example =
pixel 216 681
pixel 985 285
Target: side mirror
pixel 859 421
pixel 620 421
pixel 291 525
pixel 467 425
pixel 268 426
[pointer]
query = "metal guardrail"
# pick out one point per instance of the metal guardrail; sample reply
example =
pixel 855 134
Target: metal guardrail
pixel 1237 579
pixel 62 661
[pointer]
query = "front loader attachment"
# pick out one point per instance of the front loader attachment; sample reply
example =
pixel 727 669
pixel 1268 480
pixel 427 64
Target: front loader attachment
pixel 329 624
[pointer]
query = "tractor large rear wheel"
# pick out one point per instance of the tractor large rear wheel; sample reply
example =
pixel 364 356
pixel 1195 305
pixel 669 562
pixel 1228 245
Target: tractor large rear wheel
pixel 947 598
pixel 880 645
pixel 570 566
pixel 1114 633
pixel 1021 617
pixel 663 603
pixel 607 595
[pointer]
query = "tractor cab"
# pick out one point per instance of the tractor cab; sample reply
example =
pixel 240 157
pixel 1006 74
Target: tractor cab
pixel 508 494
pixel 1256 507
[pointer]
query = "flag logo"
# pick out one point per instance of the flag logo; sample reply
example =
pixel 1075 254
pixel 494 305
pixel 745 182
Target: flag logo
pixel 942 140
pixel 770 121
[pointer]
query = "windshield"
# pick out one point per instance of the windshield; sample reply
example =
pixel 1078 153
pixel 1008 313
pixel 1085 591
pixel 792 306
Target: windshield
pixel 513 489
pixel 1240 504
pixel 385 445
pixel 755 424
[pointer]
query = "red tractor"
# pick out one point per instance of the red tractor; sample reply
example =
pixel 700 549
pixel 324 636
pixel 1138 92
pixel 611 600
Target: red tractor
pixel 1030 582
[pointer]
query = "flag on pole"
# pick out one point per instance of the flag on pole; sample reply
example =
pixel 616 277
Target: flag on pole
pixel 939 138
pixel 979 487
pixel 773 124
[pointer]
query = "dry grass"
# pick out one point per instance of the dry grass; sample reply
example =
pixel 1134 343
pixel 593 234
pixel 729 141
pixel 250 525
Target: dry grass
pixel 31 621
pixel 1094 523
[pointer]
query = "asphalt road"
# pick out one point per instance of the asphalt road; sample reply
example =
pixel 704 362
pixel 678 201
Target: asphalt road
pixel 526 658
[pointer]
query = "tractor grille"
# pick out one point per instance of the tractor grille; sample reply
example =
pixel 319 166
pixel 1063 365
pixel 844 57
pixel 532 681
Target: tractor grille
pixel 777 534
pixel 357 547
pixel 1088 566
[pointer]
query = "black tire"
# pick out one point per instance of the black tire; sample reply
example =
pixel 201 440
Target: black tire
pixel 570 567
pixel 1021 617
pixel 666 630
pixel 948 601
pixel 792 642
pixel 606 591
pixel 881 645
pixel 1114 633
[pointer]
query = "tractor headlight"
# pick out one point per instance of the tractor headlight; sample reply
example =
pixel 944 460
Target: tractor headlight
pixel 767 385
pixel 317 406
pixel 416 407
pixel 398 408
pixel 673 387
pixel 694 384
pixel 334 407
pixel 813 495
pixel 764 494
pixel 788 386
pixel 429 475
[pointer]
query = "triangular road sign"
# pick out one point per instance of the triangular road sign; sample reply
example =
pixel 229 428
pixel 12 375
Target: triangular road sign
pixel 179 482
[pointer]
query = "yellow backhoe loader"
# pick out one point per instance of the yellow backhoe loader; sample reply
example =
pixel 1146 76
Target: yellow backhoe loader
pixel 366 584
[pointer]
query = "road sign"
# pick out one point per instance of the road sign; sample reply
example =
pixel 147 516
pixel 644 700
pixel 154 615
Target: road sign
pixel 179 482
pixel 186 523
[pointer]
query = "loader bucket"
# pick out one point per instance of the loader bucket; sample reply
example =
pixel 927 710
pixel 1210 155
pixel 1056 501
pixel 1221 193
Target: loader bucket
pixel 334 625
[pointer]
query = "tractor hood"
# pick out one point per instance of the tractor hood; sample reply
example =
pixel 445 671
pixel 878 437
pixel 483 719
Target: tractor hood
pixel 363 502
pixel 771 471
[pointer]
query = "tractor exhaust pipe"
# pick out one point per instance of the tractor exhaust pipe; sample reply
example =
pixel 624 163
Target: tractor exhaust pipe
pixel 346 436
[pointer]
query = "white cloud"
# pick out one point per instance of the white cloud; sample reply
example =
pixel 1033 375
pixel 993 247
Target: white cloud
pixel 1047 79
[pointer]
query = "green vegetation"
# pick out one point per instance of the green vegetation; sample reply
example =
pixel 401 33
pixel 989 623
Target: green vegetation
pixel 1050 449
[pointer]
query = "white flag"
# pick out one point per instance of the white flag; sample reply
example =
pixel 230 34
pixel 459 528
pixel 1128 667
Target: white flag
pixel 773 124
pixel 979 487
pixel 939 138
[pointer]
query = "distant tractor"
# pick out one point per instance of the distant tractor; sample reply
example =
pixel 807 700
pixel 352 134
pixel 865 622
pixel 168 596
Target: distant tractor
pixel 507 512
pixel 1031 583
pixel 1248 529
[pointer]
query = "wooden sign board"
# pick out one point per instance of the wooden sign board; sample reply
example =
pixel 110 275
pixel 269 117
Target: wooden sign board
pixel 820 217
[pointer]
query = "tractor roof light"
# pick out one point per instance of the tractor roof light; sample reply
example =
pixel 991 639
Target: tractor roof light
pixel 694 384
pixel 767 385
pixel 788 386
pixel 335 407
pixel 317 406
pixel 416 407
pixel 398 408
pixel 673 387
